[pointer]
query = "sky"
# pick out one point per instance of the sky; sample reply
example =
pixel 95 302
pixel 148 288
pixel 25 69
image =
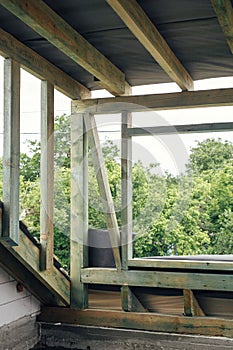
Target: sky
pixel 170 151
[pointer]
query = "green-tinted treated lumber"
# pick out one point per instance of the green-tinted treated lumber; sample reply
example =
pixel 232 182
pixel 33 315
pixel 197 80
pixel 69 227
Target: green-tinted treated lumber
pixel 178 280
pixel 41 18
pixel 18 271
pixel 11 152
pixel 191 305
pixel 224 12
pixel 181 129
pixel 40 67
pixel 167 101
pixel 181 264
pixel 79 211
pixel 104 188
pixel 28 255
pixel 126 190
pixel 47 176
pixel 129 301
pixel 145 31
pixel 141 321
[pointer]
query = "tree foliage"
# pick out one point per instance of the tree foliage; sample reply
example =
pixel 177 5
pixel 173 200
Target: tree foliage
pixel 189 214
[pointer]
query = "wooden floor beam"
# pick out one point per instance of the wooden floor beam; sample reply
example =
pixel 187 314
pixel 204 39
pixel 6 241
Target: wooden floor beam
pixel 141 321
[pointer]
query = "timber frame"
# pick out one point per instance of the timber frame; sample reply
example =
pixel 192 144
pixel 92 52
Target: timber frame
pixel 37 267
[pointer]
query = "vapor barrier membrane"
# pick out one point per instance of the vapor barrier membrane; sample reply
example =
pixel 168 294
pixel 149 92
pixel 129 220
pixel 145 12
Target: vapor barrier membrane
pixel 190 27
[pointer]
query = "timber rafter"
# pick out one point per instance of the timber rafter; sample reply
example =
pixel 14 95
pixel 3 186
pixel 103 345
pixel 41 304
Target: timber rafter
pixel 224 12
pixel 145 31
pixel 51 26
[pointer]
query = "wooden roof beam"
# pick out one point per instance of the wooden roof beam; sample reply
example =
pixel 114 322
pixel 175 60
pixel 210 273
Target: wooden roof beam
pixel 224 12
pixel 158 102
pixel 41 18
pixel 145 31
pixel 40 67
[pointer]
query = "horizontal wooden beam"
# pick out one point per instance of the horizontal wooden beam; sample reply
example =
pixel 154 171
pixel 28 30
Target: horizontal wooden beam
pixel 40 67
pixel 180 129
pixel 159 279
pixel 168 101
pixel 41 18
pixel 145 31
pixel 224 12
pixel 181 264
pixel 141 321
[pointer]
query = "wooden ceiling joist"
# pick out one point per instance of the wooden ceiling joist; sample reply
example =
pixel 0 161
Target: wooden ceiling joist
pixel 40 67
pixel 224 12
pixel 42 19
pixel 145 31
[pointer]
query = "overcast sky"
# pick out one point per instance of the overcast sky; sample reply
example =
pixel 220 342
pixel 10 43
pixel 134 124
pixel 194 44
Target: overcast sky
pixel 170 151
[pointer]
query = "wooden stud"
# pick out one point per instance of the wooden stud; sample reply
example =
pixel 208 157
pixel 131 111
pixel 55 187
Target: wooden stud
pixel 130 302
pixel 159 279
pixel 168 101
pixel 40 67
pixel 210 326
pixel 145 31
pixel 47 175
pixel 41 18
pixel 191 305
pixel 181 129
pixel 104 188
pixel 79 211
pixel 224 12
pixel 11 152
pixel 126 190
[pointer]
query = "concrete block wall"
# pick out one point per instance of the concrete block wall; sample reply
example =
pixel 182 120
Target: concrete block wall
pixel 18 310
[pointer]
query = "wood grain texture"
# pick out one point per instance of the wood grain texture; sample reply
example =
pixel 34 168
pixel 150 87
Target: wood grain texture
pixel 167 101
pixel 181 129
pixel 41 18
pixel 145 31
pixel 11 152
pixel 79 211
pixel 126 190
pixel 224 12
pixel 191 305
pixel 47 176
pixel 140 321
pixel 160 279
pixel 22 262
pixel 181 264
pixel 40 67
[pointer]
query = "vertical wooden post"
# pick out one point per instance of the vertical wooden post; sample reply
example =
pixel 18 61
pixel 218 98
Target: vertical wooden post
pixel 126 190
pixel 79 211
pixel 11 152
pixel 47 175
pixel 104 188
pixel 126 205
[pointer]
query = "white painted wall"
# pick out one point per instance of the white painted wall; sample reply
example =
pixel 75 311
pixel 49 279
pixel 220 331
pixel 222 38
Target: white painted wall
pixel 13 304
